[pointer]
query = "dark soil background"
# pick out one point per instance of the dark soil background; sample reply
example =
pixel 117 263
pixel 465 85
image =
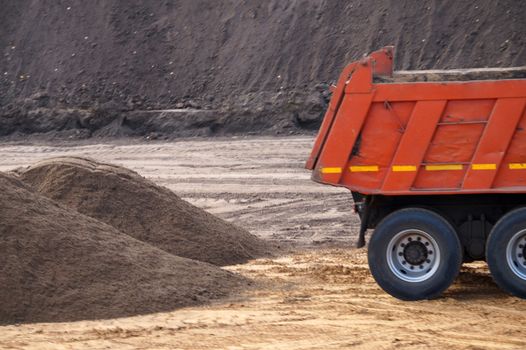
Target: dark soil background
pixel 80 69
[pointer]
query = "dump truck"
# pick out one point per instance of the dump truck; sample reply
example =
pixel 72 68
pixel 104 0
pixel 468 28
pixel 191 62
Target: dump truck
pixel 436 164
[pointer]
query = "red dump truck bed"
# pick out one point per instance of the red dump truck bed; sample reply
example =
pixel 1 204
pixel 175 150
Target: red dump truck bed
pixel 436 163
pixel 382 136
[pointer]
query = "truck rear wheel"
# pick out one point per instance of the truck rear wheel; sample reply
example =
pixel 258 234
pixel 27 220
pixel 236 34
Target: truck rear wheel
pixel 506 252
pixel 414 254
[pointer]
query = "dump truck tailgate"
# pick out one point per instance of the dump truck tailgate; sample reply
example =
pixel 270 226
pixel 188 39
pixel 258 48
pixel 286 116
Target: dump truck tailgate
pixel 421 137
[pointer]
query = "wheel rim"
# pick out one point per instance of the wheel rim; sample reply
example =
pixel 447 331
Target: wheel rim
pixel 413 255
pixel 515 254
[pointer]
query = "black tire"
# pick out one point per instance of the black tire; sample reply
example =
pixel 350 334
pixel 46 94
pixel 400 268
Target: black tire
pixel 507 274
pixel 438 276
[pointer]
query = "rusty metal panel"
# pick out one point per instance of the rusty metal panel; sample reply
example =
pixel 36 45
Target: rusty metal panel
pixel 342 136
pixel 512 173
pixel 411 150
pixel 494 143
pixel 370 159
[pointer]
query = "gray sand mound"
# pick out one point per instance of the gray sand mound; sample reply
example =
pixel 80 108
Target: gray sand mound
pixel 142 209
pixel 59 265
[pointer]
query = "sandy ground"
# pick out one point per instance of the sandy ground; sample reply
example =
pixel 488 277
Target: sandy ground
pixel 318 295
pixel 258 183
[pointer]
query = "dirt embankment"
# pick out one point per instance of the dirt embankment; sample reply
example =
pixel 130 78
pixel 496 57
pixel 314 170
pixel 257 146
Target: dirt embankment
pixel 138 207
pixel 59 265
pixel 80 69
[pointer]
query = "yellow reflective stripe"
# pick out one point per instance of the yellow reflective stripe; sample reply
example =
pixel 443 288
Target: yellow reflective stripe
pixel 484 166
pixel 363 168
pixel 444 167
pixel 404 168
pixel 331 170
pixel 515 166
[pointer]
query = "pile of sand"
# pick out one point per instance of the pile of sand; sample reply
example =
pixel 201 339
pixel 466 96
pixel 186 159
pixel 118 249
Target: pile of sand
pixel 142 209
pixel 59 265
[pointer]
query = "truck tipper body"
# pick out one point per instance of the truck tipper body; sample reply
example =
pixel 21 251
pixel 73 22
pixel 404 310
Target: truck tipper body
pixel 433 159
